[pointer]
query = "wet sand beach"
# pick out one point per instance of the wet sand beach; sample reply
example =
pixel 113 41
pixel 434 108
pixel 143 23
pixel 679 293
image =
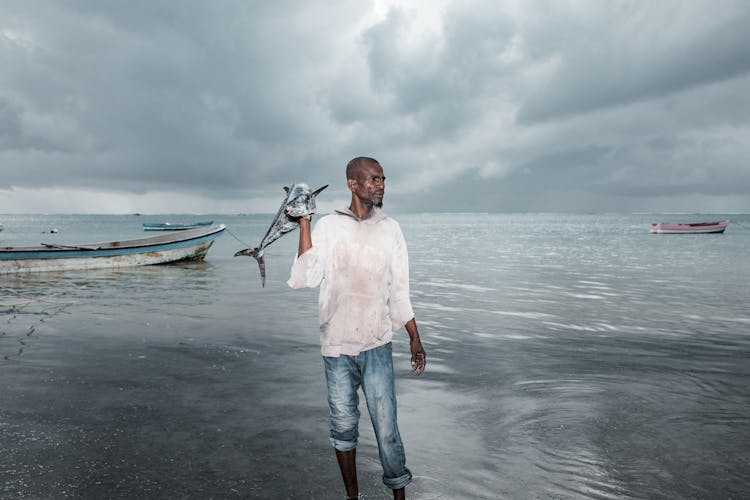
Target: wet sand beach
pixel 574 365
pixel 163 397
pixel 134 413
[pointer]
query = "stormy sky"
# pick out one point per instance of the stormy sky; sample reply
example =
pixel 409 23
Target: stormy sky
pixel 470 105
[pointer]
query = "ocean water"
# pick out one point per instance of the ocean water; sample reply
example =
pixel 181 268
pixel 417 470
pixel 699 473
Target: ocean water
pixel 569 356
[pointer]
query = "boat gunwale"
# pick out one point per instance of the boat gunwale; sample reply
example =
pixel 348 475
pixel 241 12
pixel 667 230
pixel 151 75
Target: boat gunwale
pixel 175 226
pixel 691 224
pixel 181 238
pixel 689 227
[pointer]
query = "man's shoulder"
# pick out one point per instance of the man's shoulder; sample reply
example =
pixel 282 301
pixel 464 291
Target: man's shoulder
pixel 338 217
pixel 379 217
pixel 333 216
pixel 330 220
pixel 390 221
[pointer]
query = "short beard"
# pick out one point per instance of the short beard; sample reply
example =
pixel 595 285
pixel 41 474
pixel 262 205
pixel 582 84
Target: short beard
pixel 378 204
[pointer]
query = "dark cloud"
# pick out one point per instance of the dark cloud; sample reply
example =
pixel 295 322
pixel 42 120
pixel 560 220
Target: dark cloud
pixel 619 68
pixel 473 105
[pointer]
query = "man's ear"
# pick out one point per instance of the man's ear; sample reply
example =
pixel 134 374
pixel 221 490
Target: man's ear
pixel 351 184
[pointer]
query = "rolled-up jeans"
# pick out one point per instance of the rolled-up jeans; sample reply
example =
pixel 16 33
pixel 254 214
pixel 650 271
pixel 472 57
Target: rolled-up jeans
pixel 372 370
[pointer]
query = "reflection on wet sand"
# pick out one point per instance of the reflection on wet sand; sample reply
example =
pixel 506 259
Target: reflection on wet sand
pixel 584 365
pixel 20 317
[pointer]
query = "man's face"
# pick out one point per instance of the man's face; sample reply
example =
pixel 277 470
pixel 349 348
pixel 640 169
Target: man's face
pixel 369 184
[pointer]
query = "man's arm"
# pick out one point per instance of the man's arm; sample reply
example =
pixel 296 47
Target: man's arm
pixel 307 270
pixel 305 240
pixel 418 356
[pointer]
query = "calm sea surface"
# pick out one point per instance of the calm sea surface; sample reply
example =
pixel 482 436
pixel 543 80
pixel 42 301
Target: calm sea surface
pixel 569 356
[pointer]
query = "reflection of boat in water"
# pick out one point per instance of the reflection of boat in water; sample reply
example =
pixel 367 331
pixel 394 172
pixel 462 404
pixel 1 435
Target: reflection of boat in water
pixel 191 244
pixel 174 226
pixel 689 228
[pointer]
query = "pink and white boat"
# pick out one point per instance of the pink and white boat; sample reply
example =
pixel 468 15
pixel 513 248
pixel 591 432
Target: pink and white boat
pixel 690 228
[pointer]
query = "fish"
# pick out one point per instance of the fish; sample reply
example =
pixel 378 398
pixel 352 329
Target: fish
pixel 299 202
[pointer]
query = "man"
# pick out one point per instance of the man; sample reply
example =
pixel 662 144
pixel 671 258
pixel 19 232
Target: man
pixel 358 257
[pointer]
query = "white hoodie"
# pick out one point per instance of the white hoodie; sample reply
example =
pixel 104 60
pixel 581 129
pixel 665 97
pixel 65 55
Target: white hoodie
pixel 362 267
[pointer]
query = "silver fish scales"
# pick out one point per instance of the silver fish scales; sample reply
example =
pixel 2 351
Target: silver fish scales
pixel 299 202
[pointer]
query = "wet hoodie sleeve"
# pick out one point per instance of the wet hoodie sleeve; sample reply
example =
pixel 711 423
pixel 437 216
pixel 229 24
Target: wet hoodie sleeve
pixel 307 269
pixel 399 303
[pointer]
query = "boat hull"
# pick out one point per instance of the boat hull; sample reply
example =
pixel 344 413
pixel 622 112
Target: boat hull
pixel 691 228
pixel 186 245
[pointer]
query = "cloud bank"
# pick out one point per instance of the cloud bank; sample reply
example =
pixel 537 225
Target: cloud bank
pixel 193 106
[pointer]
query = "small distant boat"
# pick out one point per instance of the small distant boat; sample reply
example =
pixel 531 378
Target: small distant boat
pixel 191 244
pixel 690 228
pixel 174 226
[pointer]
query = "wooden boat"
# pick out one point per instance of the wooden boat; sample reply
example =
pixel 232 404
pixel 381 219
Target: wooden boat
pixel 174 226
pixel 191 244
pixel 690 228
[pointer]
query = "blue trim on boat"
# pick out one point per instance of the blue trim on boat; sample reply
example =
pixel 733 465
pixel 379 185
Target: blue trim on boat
pixel 62 253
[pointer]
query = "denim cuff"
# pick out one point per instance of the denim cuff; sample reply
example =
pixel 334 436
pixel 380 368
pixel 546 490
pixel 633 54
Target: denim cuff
pixel 343 445
pixel 399 482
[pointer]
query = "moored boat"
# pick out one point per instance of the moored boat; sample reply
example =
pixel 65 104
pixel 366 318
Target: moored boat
pixel 174 226
pixel 690 227
pixel 191 244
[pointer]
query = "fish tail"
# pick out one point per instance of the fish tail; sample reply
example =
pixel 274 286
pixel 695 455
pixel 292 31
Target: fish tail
pixel 258 256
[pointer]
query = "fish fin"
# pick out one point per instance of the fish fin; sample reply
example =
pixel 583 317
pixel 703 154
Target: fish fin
pixel 317 191
pixel 247 251
pixel 262 266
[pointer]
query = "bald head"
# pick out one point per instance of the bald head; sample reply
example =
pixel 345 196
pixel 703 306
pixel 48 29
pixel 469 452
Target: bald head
pixel 365 179
pixel 355 166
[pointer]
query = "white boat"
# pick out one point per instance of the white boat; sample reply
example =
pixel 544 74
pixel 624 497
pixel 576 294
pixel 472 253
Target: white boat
pixel 689 228
pixel 190 244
